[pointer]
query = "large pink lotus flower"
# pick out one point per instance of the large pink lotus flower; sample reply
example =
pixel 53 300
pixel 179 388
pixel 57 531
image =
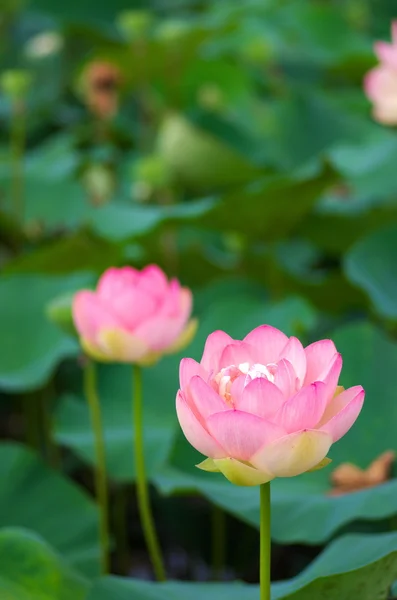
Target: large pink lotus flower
pixel 134 316
pixel 264 407
pixel 380 84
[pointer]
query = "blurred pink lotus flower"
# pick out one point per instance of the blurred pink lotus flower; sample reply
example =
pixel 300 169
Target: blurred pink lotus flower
pixel 264 407
pixel 134 316
pixel 380 83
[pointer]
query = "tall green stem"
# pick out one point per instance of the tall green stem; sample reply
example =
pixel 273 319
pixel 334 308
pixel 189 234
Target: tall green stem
pixel 265 542
pixel 145 511
pixel 101 485
pixel 17 144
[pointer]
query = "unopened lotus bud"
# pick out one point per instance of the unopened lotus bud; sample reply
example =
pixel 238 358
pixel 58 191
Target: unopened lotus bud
pixel 152 170
pixel 99 182
pixel 59 312
pixel 135 24
pixel 210 96
pixel 172 31
pixel 257 50
pixel 99 86
pixel 15 83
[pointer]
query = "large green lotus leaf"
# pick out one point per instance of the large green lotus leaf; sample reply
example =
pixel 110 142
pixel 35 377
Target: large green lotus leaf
pixel 81 251
pixel 372 264
pixel 31 570
pixel 201 160
pixel 121 221
pixel 31 346
pixel 302 509
pixel 320 227
pixel 269 208
pixel 368 167
pixel 52 202
pixel 216 309
pixel 35 497
pixel 354 566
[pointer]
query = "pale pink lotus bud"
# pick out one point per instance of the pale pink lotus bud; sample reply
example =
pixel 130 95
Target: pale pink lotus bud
pixel 380 84
pixel 134 316
pixel 264 407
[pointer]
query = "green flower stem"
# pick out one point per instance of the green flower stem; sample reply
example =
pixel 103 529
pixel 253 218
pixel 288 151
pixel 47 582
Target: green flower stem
pixel 265 542
pixel 218 541
pixel 101 485
pixel 17 146
pixel 145 511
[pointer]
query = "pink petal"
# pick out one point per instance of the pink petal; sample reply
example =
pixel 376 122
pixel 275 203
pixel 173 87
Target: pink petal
pixel 293 454
pixel 188 368
pixel 90 315
pixel 170 301
pixel 285 378
pixel 268 343
pixel 260 397
pixel 153 280
pixel 205 398
pixel 342 412
pixel 319 357
pixel 394 31
pixel 242 434
pixel 214 346
pixel 387 54
pixel 304 410
pixel 115 281
pixel 236 354
pixel 237 389
pixel 332 377
pixel 159 332
pixel 194 432
pixel 133 307
pixel 295 354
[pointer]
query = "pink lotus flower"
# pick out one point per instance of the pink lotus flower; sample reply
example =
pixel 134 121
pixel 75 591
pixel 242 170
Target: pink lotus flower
pixel 264 407
pixel 380 84
pixel 134 316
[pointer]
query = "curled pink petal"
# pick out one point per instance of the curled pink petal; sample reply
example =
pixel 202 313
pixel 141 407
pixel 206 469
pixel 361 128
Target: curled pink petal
pixel 268 343
pixel 332 377
pixel 214 346
pixel 235 354
pixel 319 357
pixel 90 315
pixel 242 434
pixel 293 454
pixel 260 397
pixel 304 410
pixel 295 354
pixel 206 400
pixel 342 412
pixel 188 369
pixel 285 378
pixel 194 432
